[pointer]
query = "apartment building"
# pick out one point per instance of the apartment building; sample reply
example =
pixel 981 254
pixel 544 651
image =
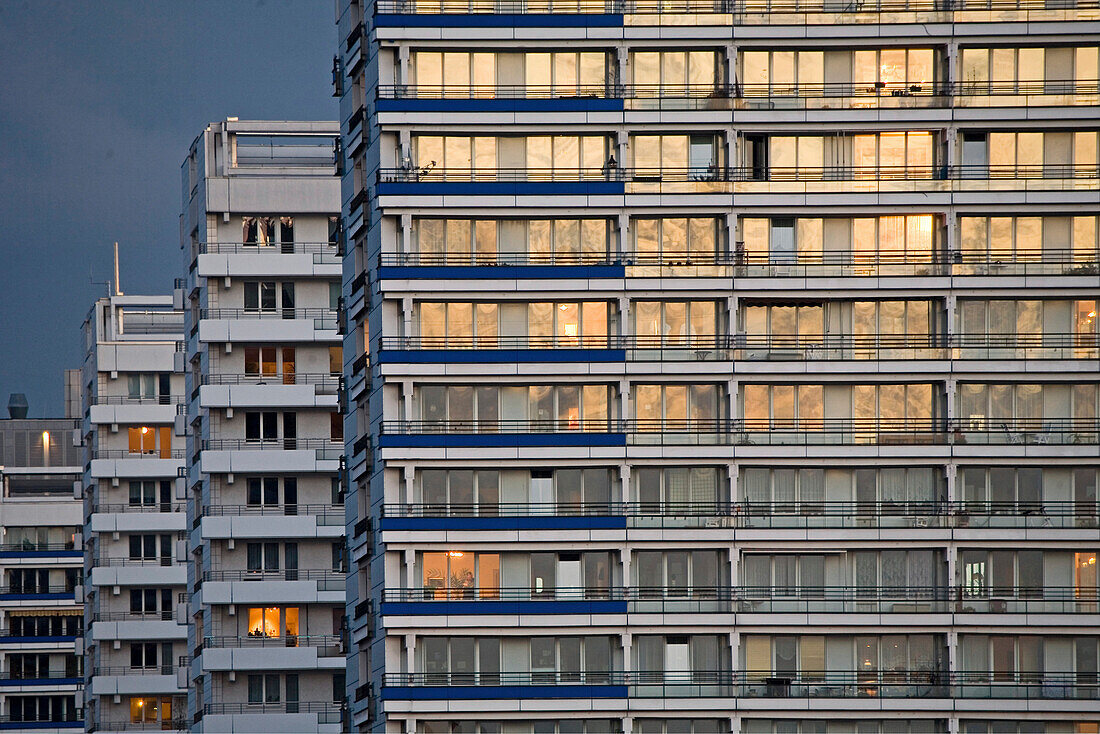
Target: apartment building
pixel 732 365
pixel 265 576
pixel 134 514
pixel 41 565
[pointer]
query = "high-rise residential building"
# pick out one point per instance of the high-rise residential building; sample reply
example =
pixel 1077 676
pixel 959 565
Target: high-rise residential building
pixel 41 564
pixel 732 365
pixel 133 515
pixel 265 432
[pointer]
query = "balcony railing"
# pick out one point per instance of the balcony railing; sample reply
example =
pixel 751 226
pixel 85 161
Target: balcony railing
pixel 285 574
pixel 128 561
pixel 329 645
pixel 780 600
pixel 322 317
pixel 128 725
pixel 273 248
pixel 322 708
pixel 164 615
pixel 127 454
pixel 30 545
pixel 135 670
pixel 34 589
pixel 325 514
pixel 155 507
pixel 780 431
pixel 776 96
pixel 139 399
pixel 780 514
pixel 270 444
pixel 28 675
pixel 326 383
pixel 756 12
pixel 732 174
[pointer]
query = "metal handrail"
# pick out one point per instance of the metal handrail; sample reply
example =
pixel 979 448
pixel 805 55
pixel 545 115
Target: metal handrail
pixel 274 313
pixel 33 546
pixel 1085 595
pixel 127 561
pixel 720 90
pixel 127 454
pixel 282 707
pixel 284 510
pixel 287 640
pixel 284 574
pixel 154 507
pixel 138 400
pixel 126 616
pixel 272 248
pixel 748 509
pixel 950 9
pixel 736 174
pixel 324 380
pixel 268 444
pixel 129 670
pixel 54 589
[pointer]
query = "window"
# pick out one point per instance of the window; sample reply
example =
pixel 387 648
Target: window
pixel 539 241
pixel 264 689
pixel 454 74
pixel 335 360
pixel 564 73
pixel 262 557
pixel 258 231
pixel 797 407
pixel 676 157
pixel 676 407
pixel 459 325
pixel 679 490
pixel 151 602
pixel 567 324
pixel 144 439
pixel 143 655
pixel 676 239
pixel 675 73
pixel 460 575
pixel 144 548
pixel 693 324
pixel 868 241
pixel 150 709
pixel 460 492
pixel 335 426
pixel 696 573
pixel 263 491
pixel 568 407
pixel 274 622
pixel 456 157
pixel 567 157
pixel 261 426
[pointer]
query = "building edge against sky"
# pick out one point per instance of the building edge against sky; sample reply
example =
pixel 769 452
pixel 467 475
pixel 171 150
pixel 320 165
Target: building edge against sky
pixel 134 516
pixel 732 367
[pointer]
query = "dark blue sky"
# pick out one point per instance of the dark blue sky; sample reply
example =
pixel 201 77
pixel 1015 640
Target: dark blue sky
pixel 99 102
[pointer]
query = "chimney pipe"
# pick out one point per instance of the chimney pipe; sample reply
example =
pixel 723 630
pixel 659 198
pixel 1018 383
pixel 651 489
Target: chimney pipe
pixel 17 405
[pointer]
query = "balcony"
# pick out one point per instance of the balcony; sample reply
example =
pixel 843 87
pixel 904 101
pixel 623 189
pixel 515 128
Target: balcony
pixel 327 645
pixel 325 514
pixel 111 508
pixel 743 515
pixel 721 96
pixel 67 720
pixel 744 600
pixel 931 263
pixel 741 12
pixel 324 319
pixel 719 179
pixel 330 580
pixel 324 382
pixel 128 725
pixel 924 684
pixel 327 713
pixel 323 252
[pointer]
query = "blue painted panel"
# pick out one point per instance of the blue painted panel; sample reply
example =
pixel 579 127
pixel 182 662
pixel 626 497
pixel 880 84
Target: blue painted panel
pixel 558 104
pixel 504 607
pixel 548 522
pixel 442 693
pixel 8 639
pixel 466 356
pixel 501 188
pixel 40 681
pixel 474 440
pixel 37 597
pixel 412 272
pixel 41 725
pixel 42 554
pixel 492 20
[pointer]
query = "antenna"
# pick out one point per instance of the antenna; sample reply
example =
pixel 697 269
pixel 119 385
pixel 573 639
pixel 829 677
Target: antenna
pixel 118 289
pixel 105 283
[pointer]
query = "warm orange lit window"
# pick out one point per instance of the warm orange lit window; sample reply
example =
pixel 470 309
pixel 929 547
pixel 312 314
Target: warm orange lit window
pixel 143 440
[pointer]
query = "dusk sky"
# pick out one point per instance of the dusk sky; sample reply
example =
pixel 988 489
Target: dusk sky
pixel 99 103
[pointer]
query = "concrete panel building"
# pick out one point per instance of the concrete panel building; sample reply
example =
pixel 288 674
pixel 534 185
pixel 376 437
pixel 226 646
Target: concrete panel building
pixel 721 366
pixel 134 515
pixel 265 516
pixel 41 567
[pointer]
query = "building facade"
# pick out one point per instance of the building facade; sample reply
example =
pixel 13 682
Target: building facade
pixel 732 365
pixel 41 564
pixel 265 434
pixel 134 515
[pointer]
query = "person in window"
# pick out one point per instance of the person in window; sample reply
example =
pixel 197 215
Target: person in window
pixel 610 167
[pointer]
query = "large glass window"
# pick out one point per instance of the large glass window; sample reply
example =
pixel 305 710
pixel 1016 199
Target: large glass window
pixel 675 73
pixel 677 323
pixel 535 241
pixel 676 157
pixel 566 157
pixel 676 240
pixel 453 74
pixel 676 407
pixel 565 73
pixel 460 575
